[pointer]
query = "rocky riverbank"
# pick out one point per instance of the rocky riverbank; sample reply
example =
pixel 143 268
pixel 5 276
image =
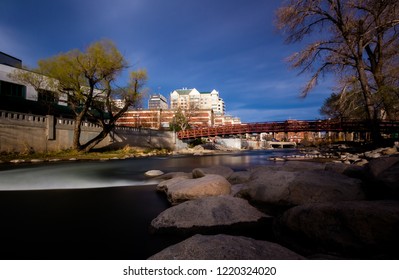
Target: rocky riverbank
pixel 341 153
pixel 286 210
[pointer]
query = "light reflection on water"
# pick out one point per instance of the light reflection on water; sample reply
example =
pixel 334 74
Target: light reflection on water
pixel 130 172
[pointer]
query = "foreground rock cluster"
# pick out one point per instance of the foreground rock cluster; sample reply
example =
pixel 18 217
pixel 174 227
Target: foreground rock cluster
pixel 286 210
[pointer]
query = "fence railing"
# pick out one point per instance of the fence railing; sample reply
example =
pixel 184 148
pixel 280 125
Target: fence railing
pixel 289 126
pixel 15 116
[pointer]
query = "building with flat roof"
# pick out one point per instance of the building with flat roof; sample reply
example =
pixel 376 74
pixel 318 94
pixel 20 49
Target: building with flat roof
pixel 9 60
pixel 157 101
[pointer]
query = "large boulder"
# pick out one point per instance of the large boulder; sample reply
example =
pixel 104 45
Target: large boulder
pixel 350 170
pixel 377 166
pixel 290 166
pixel 283 188
pixel 351 229
pixel 210 214
pixel 164 185
pixel 384 177
pixel 225 247
pixel 219 170
pixel 239 177
pixel 172 175
pixel 180 189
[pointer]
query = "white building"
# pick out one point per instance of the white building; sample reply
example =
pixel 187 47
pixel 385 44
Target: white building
pixel 193 99
pixel 23 97
pixel 9 87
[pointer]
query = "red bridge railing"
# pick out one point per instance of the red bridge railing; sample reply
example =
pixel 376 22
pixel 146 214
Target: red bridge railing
pixel 288 126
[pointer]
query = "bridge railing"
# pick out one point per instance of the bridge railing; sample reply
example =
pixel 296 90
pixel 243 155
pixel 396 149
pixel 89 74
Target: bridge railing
pixel 288 126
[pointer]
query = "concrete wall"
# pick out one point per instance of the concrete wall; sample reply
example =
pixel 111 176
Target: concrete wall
pixel 234 143
pixel 26 132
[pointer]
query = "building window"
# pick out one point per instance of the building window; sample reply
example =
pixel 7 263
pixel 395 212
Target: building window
pixel 11 89
pixel 47 96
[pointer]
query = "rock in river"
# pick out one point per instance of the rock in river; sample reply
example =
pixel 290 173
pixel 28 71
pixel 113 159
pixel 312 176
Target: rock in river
pixel 181 189
pixel 354 229
pixel 210 213
pixel 219 170
pixel 285 188
pixel 225 247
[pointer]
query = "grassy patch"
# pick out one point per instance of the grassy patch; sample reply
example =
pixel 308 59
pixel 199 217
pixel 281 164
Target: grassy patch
pixel 125 152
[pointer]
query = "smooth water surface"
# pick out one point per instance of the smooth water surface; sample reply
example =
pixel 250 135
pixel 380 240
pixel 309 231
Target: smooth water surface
pixel 93 210
pixel 129 172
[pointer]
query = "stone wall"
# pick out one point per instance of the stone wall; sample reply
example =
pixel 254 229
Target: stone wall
pixel 26 132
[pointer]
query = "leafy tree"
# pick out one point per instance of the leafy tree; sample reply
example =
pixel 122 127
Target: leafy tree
pixel 105 113
pixel 180 121
pixel 351 38
pixel 88 80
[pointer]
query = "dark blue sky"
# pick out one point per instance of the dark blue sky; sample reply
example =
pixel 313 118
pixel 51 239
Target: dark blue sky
pixel 228 45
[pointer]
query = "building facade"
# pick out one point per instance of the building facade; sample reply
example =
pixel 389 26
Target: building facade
pixel 202 109
pixel 192 99
pixel 161 118
pixel 157 101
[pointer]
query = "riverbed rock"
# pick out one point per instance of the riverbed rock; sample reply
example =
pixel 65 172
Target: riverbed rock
pixel 210 215
pixel 283 188
pixel 172 175
pixel 36 160
pixel 372 154
pixel 239 177
pixel 235 189
pixel 384 177
pixel 289 165
pixel 349 170
pixel 225 247
pixel 17 161
pixel 153 173
pixel 377 166
pixel 180 189
pixel 219 170
pixel 164 185
pixel 293 165
pixel 390 151
pixel 353 229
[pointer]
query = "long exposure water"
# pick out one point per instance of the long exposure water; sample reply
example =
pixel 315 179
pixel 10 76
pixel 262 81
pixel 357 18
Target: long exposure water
pixel 93 210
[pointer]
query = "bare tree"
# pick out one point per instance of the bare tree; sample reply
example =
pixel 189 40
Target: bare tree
pixel 350 38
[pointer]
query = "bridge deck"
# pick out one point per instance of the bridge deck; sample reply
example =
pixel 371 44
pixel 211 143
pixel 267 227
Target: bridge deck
pixel 288 126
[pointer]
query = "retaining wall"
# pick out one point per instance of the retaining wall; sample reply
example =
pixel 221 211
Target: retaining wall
pixel 21 132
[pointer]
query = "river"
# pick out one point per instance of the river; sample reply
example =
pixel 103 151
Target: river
pixel 93 210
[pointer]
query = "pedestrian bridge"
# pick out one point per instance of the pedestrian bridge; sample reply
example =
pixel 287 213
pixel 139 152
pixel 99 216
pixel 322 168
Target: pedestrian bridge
pixel 289 126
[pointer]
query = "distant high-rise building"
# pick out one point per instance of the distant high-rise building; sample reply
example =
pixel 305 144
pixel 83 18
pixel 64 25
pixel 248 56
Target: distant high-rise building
pixel 193 99
pixel 157 101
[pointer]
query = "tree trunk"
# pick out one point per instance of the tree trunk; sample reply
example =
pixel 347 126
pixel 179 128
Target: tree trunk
pixel 76 132
pixel 87 147
pixel 372 119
